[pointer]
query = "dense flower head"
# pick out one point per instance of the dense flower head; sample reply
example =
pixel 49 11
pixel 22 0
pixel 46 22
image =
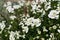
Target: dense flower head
pixel 31 21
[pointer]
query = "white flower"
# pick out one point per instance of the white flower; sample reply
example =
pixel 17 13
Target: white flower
pixel 16 6
pixel 4 5
pixel 25 29
pixel 37 37
pixel 21 23
pixel 51 35
pixel 31 21
pixel 17 34
pixel 53 14
pixel 54 27
pixel 12 17
pixel 44 29
pixel 12 35
pixel 37 22
pixel 58 30
pixel 8 6
pixel 58 7
pixel 2 25
pixel 10 9
pixel 47 5
pixel 34 7
pixel 38 31
pixel 43 13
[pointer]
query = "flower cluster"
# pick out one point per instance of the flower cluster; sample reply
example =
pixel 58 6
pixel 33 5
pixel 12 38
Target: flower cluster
pixel 31 20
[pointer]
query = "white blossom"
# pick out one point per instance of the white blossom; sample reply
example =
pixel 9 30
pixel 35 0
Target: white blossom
pixel 2 25
pixel 38 31
pixel 12 36
pixel 54 27
pixel 10 9
pixel 21 23
pixel 52 36
pixel 31 21
pixel 8 6
pixel 5 5
pixel 33 7
pixel 12 17
pixel 47 6
pixel 54 14
pixel 25 29
pixel 37 37
pixel 58 30
pixel 17 34
pixel 37 22
pixel 44 29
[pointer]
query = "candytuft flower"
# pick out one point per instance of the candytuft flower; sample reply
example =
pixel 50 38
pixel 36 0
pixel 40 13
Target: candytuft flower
pixel 33 22
pixel 54 14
